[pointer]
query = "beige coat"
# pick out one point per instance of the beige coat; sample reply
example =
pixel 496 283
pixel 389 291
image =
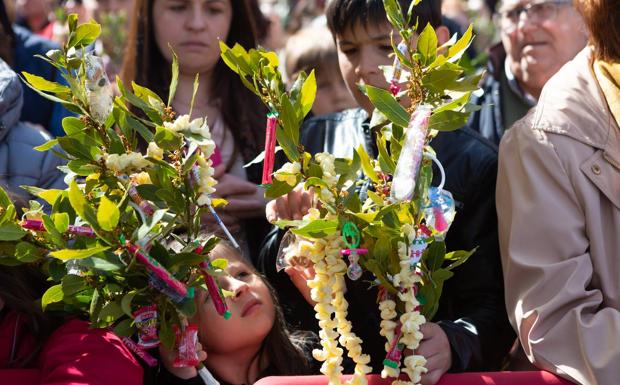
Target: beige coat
pixel 558 203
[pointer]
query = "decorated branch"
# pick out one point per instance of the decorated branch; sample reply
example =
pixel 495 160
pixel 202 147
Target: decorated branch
pixel 123 242
pixel 380 216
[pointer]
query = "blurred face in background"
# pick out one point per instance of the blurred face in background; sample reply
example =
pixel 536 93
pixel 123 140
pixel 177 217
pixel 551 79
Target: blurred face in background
pixel 332 94
pixel 539 37
pixel 193 28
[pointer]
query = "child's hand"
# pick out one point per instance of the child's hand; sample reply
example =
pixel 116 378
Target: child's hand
pixel 167 358
pixel 293 205
pixel 435 347
pixel 300 275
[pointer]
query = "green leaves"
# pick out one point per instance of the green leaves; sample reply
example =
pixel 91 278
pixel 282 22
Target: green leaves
pixel 308 93
pixel 11 232
pixel 52 295
pixel 458 49
pixel 317 229
pixel 26 252
pixel 367 166
pixel 174 81
pixel 107 214
pixel 447 120
pixel 168 139
pixel 43 84
pixel 258 70
pixel 385 102
pixel 67 254
pixel 427 44
pixel 84 35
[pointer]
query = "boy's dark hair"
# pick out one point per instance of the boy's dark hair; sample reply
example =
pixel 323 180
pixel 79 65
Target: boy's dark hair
pixel 342 15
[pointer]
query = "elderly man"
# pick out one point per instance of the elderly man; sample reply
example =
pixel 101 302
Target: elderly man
pixel 538 37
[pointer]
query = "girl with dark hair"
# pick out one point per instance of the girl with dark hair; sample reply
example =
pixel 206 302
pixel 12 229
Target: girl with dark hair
pixel 254 342
pixel 41 348
pixel 193 29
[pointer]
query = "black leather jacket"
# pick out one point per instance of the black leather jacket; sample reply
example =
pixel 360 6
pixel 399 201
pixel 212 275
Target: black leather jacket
pixel 472 311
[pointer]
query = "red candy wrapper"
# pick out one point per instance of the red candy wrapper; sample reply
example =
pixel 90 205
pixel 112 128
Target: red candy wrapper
pixel 186 340
pixel 270 147
pixel 138 351
pixel 216 157
pixel 146 322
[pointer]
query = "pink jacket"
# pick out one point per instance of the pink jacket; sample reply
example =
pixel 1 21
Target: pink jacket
pixel 558 204
pixel 73 355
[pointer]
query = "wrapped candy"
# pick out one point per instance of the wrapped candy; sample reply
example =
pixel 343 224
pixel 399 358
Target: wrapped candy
pixel 397 71
pixel 98 89
pixel 270 147
pixel 138 351
pixel 215 292
pixel 392 359
pixel 186 353
pixel 159 277
pixel 37 225
pixel 137 199
pixel 406 173
pixel 440 212
pixel 145 320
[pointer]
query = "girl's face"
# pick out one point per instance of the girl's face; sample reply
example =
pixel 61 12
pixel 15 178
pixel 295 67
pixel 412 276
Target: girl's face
pixel 193 28
pixel 252 308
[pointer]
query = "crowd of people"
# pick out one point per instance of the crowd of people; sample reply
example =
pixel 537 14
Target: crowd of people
pixel 535 174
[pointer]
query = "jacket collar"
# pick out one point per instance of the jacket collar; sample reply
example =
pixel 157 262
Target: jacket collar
pixel 573 104
pixel 497 57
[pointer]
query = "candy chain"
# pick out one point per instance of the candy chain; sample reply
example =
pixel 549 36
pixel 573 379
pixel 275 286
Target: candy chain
pixel 158 270
pixel 37 225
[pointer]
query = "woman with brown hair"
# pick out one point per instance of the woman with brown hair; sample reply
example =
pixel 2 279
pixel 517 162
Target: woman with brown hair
pixel 193 29
pixel 558 203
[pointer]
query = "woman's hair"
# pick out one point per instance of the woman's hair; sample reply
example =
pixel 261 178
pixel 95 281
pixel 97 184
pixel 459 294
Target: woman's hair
pixel 20 288
pixel 602 17
pixel 7 38
pixel 241 110
pixel 284 350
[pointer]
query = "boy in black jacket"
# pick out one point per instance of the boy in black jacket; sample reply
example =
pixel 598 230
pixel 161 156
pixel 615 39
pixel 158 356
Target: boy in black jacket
pixel 471 331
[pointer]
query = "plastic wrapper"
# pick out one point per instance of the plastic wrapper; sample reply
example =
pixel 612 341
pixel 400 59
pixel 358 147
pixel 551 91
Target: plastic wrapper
pixel 186 353
pixel 439 214
pixel 146 321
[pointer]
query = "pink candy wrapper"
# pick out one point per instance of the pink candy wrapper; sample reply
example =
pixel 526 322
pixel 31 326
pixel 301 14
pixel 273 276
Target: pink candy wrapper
pixel 146 321
pixel 186 340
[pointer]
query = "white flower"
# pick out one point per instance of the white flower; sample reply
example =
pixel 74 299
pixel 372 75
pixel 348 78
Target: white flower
pixel 197 126
pixel 288 173
pixel 154 151
pixel 181 123
pixel 204 199
pixel 132 161
pixel 326 161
